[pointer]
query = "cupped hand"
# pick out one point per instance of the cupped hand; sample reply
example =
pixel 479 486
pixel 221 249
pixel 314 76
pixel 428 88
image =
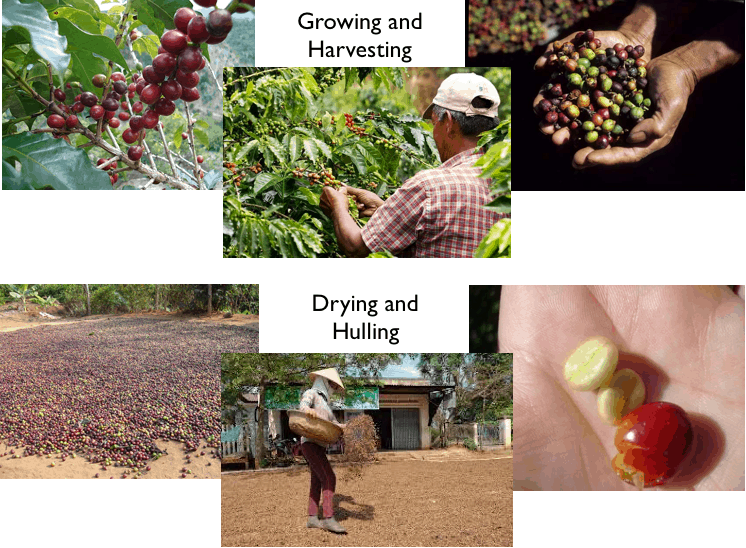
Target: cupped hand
pixel 669 87
pixel 687 344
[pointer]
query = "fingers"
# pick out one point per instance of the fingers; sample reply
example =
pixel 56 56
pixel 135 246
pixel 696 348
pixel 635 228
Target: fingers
pixel 589 157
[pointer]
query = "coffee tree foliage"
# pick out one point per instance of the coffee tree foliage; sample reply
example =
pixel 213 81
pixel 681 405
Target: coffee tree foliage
pixel 290 131
pixel 60 45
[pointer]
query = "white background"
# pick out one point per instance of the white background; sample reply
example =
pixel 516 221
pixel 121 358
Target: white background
pixel 281 42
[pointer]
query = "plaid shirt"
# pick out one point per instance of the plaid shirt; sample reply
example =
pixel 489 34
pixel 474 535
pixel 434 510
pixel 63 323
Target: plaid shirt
pixel 437 213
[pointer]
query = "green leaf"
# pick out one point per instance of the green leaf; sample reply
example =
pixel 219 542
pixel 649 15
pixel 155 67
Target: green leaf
pixel 245 149
pixel 312 198
pixel 294 148
pixel 79 18
pixel 309 145
pixel 263 181
pixel 496 244
pixel 43 32
pixel 277 149
pixel 501 204
pixel 158 15
pixel 147 44
pixel 48 162
pixel 201 136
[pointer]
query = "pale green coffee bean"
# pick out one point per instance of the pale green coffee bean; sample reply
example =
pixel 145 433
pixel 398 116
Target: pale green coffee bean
pixel 592 364
pixel 625 393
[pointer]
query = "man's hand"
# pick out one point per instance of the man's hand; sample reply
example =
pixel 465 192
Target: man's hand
pixel 310 413
pixel 334 200
pixel 367 202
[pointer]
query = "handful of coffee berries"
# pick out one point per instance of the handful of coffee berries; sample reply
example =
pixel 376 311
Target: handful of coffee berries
pixel 599 94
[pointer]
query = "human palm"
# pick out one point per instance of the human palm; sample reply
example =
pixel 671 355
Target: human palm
pixel 687 344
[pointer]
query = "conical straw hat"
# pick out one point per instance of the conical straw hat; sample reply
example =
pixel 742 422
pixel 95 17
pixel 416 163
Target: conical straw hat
pixel 330 375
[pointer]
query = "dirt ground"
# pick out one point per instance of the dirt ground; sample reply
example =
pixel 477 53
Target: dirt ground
pixel 415 499
pixel 171 363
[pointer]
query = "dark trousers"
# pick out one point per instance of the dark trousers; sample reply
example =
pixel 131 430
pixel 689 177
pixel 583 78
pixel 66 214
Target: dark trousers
pixel 322 477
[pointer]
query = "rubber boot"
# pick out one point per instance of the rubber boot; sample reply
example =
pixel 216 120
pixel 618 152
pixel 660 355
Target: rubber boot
pixel 314 521
pixel 331 524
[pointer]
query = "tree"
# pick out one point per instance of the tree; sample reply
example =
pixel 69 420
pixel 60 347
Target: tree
pixel 87 290
pixel 209 299
pixel 73 77
pixel 240 371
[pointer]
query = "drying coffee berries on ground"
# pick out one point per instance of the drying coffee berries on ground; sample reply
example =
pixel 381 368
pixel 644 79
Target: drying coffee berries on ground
pixel 599 94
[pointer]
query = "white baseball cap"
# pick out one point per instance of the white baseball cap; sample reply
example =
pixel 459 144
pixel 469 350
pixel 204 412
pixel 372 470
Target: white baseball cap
pixel 459 90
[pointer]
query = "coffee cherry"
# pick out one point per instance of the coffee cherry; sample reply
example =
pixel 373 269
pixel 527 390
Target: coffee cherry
pixel 174 41
pixel 137 106
pixel 584 101
pixel 588 126
pixel 97 112
pixel 575 79
pixel 608 125
pixel 129 136
pixel 589 35
pixel 152 76
pixel 636 113
pixel 591 137
pixel 206 3
pixel 60 95
pixel 124 116
pixel 114 122
pixel 171 90
pixel 556 90
pixel 182 17
pixel 572 111
pixel 134 153
pixel 197 30
pixel 150 94
pixel 110 104
pixel 88 99
pixel 184 136
pixel 136 123
pixel 200 159
pixel 164 107
pixel 78 107
pixel 597 119
pixel 150 119
pixel 118 77
pixel 190 59
pixel 602 142
pixel 134 35
pixel 56 121
pixel 189 94
pixel 120 87
pixel 551 117
pixel 219 22
pixel 216 39
pixel 114 177
pixel 545 106
pixel 164 64
pixel 99 80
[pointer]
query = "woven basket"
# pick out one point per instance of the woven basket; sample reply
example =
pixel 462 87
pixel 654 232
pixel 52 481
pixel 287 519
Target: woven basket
pixel 313 427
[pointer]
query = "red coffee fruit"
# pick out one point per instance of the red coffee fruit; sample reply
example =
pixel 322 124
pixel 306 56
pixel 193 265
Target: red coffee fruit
pixel 120 87
pixel 129 136
pixel 200 159
pixel 165 63
pixel 78 107
pixel 152 76
pixel 136 123
pixel 114 122
pixel 197 30
pixel 97 112
pixel 137 106
pixel 99 80
pixel 134 153
pixel 187 79
pixel 60 95
pixel 150 119
pixel 124 116
pixel 206 3
pixel 110 104
pixel 184 136
pixel 118 77
pixel 55 121
pixel 174 41
pixel 182 17
pixel 171 90
pixel 164 107
pixel 653 441
pixel 219 22
pixel 189 94
pixel 216 39
pixel 190 59
pixel 150 94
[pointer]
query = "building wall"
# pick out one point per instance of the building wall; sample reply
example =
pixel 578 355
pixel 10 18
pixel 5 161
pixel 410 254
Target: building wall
pixel 410 401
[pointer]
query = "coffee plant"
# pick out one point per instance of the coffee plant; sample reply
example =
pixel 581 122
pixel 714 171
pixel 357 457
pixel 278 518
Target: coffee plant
pixel 74 81
pixel 281 149
pixel 507 26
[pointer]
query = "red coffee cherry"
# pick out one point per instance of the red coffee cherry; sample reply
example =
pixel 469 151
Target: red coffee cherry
pixel 174 41
pixel 97 112
pixel 190 59
pixel 114 177
pixel 182 17
pixel 197 30
pixel 134 153
pixel 71 121
pixel 88 99
pixel 118 77
pixel 110 104
pixel 129 136
pixel 189 94
pixel 171 90
pixel 137 106
pixel 165 63
pixel 187 79
pixel 99 80
pixel 150 94
pixel 150 119
pixel 56 121
pixel 120 87
pixel 60 95
pixel 184 136
pixel 200 159
pixel 114 122
pixel 136 123
pixel 219 22
pixel 151 76
pixel 78 107
pixel 206 3
pixel 124 116
pixel 164 107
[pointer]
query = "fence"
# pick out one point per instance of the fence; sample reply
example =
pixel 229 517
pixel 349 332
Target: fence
pixel 491 434
pixel 480 434
pixel 234 444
